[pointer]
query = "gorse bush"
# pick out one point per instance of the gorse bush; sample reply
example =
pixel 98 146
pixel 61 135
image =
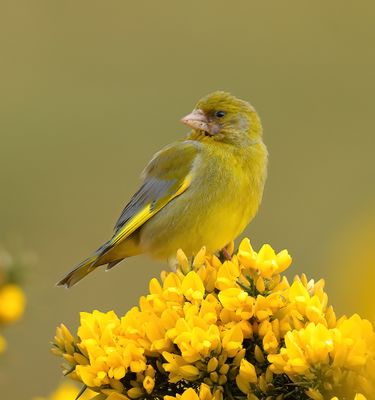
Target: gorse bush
pixel 224 328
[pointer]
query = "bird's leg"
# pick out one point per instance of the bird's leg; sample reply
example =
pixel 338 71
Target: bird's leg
pixel 225 253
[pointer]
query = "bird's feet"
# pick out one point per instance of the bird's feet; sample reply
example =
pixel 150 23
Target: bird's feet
pixel 226 252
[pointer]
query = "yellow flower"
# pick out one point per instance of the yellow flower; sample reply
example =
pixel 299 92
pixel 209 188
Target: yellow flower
pixel 179 369
pixel 246 254
pixel 208 273
pixel 355 342
pixel 110 355
pixel 192 287
pixel 247 375
pixel 68 391
pixel 64 341
pixel 196 339
pixel 303 349
pixel 270 342
pixel 307 306
pixel 227 274
pixel 235 327
pixel 98 325
pixel 267 263
pixel 203 394
pixel 232 340
pixel 344 355
pixel 135 392
pixel 149 384
pixel 183 261
pixel 12 303
pixel 149 330
pixel 237 301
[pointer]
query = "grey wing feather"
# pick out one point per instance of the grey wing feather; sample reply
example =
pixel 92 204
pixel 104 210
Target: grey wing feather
pixel 162 177
pixel 151 190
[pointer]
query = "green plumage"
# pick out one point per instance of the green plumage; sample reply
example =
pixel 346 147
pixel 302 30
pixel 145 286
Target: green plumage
pixel 200 191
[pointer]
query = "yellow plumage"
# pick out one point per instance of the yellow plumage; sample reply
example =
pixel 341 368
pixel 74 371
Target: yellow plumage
pixel 202 190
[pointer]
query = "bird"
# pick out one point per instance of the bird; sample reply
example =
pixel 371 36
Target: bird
pixel 201 190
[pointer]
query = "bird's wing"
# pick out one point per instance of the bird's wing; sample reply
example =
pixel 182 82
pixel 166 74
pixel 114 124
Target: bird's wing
pixel 166 176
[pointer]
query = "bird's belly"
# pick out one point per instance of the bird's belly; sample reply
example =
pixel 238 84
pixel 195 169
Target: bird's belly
pixel 189 223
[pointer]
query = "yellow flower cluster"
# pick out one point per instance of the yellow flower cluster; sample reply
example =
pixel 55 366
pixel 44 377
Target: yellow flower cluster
pixel 224 328
pixel 12 303
pixel 12 298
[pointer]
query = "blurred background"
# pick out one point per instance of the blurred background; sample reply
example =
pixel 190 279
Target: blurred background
pixel 91 89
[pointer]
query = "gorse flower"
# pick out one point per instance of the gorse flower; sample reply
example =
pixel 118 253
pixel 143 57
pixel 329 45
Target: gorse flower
pixel 67 391
pixel 12 303
pixel 12 298
pixel 220 328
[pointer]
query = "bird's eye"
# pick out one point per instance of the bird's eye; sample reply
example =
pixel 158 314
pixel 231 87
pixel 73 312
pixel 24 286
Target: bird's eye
pixel 219 114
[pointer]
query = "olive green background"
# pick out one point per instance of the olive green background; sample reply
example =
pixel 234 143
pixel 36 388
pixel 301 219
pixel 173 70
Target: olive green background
pixel 89 90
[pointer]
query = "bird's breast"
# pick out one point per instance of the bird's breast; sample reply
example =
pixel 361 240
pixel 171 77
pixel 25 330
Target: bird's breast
pixel 223 197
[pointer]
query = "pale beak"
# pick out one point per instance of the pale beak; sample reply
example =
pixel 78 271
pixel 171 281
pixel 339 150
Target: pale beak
pixel 197 120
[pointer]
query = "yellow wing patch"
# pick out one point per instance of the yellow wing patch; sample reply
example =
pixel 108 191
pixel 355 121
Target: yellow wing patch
pixel 183 187
pixel 134 223
pixel 146 213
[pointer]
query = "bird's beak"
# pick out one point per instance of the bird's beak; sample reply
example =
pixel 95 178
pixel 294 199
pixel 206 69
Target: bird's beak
pixel 197 120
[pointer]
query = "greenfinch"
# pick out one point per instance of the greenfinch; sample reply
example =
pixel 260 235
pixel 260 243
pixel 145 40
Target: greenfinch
pixel 199 191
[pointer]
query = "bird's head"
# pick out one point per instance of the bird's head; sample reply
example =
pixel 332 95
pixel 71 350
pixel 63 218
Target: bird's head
pixel 222 117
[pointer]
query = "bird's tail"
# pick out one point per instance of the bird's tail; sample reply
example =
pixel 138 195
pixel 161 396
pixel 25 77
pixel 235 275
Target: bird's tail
pixel 106 254
pixel 79 272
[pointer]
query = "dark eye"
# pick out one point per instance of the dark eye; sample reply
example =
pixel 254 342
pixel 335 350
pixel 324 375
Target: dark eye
pixel 219 114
